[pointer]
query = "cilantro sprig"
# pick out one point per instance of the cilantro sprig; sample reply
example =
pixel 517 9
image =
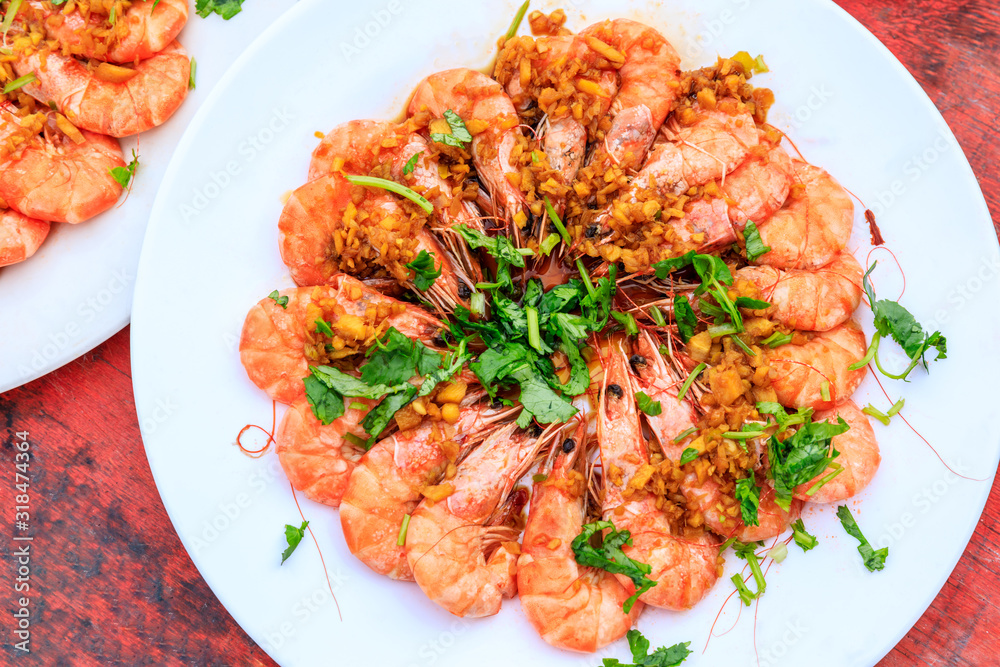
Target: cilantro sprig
pixel 803 456
pixel 896 322
pixel 802 537
pixel 227 9
pixel 424 271
pixel 608 556
pixel 293 536
pixel 874 560
pixel 754 245
pixel 459 136
pixel 748 495
pixel 671 656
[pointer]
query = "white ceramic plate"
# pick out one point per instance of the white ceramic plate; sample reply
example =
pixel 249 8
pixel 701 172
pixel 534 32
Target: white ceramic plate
pixel 76 292
pixel 850 107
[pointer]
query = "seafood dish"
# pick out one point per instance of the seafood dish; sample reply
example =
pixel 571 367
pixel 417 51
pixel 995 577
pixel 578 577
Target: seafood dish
pixel 573 330
pixel 76 77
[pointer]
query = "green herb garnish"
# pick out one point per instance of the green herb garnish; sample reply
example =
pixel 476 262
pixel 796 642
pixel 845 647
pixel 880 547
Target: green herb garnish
pixel 293 536
pixel 874 560
pixel 608 556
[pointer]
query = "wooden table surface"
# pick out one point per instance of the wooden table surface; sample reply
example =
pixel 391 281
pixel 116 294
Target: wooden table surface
pixel 111 583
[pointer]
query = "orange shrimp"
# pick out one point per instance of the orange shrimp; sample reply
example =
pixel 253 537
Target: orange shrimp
pixel 649 71
pixel 51 177
pixel 479 101
pixel 311 237
pixel 274 341
pixel 813 226
pixel 387 482
pixel 459 557
pixel 760 186
pixel 318 459
pixel 810 300
pixel 572 607
pixel 145 29
pixel 817 374
pixel 684 569
pixel 20 236
pixel 859 457
pixel 564 138
pixel 660 383
pixel 119 105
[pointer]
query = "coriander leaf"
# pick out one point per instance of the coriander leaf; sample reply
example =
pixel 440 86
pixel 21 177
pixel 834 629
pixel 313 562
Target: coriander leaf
pixel 323 327
pixel 668 266
pixel 326 403
pixel 609 556
pixel 571 327
pixel 751 304
pixel 561 298
pixel 628 322
pixel 596 307
pixel 459 136
pixel 689 454
pixel 493 365
pixel 280 300
pixel 227 9
pixel 380 416
pixel 347 385
pixel 801 457
pixel 686 319
pixel 579 372
pixel 538 398
pixel 293 536
pixel 396 359
pixel 671 656
pixel 874 560
pixel 755 246
pixel 124 175
pixel 648 405
pixel 712 269
pixel 423 268
pixel 411 164
pixel 783 419
pixel 748 553
pixel 802 538
pixel 748 494
pixel 499 247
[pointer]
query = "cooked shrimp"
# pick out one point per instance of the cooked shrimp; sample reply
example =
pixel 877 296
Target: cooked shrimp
pixel 684 568
pixel 476 97
pixel 813 300
pixel 760 186
pixel 813 226
pixel 859 457
pixel 649 71
pixel 572 607
pixel 145 29
pixel 387 482
pixel 318 459
pixel 816 374
pixel 277 344
pixel 460 559
pixel 720 512
pixel 20 236
pixel 50 177
pixel 120 103
pixel 313 237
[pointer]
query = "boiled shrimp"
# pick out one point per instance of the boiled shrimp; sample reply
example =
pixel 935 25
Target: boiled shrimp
pixel 386 484
pixel 318 459
pixel 128 102
pixel 683 569
pixel 649 78
pixel 572 607
pixel 274 341
pixel 813 226
pixel 817 374
pixel 51 177
pixel 146 28
pixel 760 186
pixel 459 559
pixel 813 300
pixel 20 236
pixel 859 457
pixel 476 97
pixel 720 513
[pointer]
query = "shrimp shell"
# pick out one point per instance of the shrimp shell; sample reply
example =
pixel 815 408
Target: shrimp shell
pixel 799 372
pixel 20 236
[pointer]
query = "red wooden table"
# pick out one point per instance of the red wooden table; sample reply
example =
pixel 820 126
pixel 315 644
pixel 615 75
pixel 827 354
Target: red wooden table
pixel 111 583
